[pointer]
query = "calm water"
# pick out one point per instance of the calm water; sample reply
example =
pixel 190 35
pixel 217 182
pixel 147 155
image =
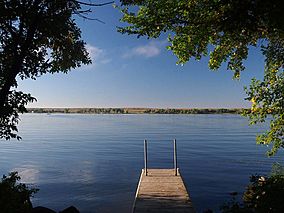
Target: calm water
pixel 94 161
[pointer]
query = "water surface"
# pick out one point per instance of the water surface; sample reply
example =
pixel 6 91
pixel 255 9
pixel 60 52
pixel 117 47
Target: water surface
pixel 94 161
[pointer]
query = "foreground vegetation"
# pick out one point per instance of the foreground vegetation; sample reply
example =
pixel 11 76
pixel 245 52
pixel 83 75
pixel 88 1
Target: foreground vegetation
pixel 134 111
pixel 15 197
pixel 264 194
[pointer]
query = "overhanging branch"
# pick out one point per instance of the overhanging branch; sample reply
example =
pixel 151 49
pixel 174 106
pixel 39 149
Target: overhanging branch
pixel 93 4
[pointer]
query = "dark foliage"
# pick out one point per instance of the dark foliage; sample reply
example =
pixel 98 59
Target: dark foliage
pixel 263 195
pixel 15 197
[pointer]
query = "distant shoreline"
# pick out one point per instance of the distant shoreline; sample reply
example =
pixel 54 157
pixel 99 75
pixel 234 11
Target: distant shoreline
pixel 138 110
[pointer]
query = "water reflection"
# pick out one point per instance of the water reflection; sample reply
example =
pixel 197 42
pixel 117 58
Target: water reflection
pixel 28 173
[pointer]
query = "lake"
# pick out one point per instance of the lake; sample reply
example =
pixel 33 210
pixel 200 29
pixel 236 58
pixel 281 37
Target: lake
pixel 94 161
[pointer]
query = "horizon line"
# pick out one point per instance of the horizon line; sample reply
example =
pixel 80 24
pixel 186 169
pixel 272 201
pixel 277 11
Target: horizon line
pixel 138 107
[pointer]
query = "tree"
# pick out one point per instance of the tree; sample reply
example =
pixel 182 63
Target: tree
pixel 224 30
pixel 36 37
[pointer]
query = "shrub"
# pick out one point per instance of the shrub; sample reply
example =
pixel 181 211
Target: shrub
pixel 14 196
pixel 263 195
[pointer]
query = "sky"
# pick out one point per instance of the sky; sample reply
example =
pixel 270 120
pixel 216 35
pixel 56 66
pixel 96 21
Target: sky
pixel 131 72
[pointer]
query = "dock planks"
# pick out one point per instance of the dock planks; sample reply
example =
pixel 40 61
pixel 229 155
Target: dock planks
pixel 162 191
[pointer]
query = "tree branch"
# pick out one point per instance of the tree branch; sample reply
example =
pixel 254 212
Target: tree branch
pixel 93 4
pixel 88 18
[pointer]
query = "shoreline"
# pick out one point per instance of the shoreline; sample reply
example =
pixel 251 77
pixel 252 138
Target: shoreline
pixel 138 110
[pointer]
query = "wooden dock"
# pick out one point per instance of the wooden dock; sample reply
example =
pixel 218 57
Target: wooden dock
pixel 162 191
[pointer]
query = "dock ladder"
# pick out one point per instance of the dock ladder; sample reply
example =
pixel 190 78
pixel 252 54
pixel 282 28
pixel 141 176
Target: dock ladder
pixel 161 190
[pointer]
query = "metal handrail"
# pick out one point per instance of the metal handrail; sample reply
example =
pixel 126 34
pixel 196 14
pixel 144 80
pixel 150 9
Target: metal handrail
pixel 175 156
pixel 146 157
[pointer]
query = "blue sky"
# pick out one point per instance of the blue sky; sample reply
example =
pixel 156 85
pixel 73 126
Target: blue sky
pixel 131 72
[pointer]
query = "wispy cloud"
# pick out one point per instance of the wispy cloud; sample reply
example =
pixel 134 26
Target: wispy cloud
pixel 94 51
pixel 97 55
pixel 149 50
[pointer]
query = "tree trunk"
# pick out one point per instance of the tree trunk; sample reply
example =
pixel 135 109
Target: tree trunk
pixel 9 80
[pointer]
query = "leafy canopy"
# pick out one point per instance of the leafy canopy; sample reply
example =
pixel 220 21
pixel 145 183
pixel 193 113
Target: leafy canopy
pixel 36 37
pixel 224 30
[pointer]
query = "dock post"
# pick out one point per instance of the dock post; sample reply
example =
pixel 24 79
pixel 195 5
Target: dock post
pixel 145 157
pixel 175 156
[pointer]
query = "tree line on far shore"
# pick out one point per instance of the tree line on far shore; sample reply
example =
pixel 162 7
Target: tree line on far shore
pixel 136 110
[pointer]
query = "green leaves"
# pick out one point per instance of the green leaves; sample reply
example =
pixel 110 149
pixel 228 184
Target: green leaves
pixel 194 26
pixel 267 102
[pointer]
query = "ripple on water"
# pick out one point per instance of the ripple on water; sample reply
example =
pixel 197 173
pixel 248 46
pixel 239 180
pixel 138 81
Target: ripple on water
pixel 94 161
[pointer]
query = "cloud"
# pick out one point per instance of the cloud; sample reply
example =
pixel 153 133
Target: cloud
pixel 149 50
pixel 97 55
pixel 93 51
